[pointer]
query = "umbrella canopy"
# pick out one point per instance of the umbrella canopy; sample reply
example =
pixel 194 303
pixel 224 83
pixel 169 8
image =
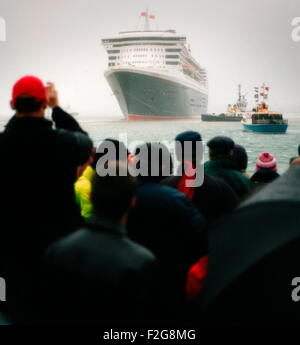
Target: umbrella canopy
pixel 254 254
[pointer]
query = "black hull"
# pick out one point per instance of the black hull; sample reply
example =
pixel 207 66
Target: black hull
pixel 221 118
pixel 145 96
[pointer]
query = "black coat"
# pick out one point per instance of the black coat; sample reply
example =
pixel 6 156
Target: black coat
pixel 37 203
pixel 39 169
pixel 254 254
pixel 264 176
pixel 165 221
pixel 98 275
pixel 213 199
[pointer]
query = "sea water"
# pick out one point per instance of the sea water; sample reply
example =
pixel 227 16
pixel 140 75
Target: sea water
pixel 283 146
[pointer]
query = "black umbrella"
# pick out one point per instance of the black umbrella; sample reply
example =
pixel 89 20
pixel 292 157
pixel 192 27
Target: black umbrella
pixel 254 255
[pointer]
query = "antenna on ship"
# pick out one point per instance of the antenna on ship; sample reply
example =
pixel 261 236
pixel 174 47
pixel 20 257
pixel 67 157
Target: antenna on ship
pixel 239 92
pixel 147 16
pixel 241 101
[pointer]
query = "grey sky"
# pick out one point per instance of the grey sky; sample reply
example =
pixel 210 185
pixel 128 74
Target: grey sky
pixel 247 41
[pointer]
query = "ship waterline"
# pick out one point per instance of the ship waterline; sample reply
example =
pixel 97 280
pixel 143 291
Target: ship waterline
pixel 153 95
pixel 270 128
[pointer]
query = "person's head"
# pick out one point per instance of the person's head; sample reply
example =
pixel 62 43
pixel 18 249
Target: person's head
pixel 220 147
pixel 156 158
pixel 82 168
pixel 29 97
pixel 112 195
pixel 113 150
pixel 240 157
pixel 194 155
pixel 266 161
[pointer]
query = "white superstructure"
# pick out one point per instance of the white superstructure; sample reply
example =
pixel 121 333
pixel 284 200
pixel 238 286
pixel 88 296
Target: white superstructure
pixel 155 53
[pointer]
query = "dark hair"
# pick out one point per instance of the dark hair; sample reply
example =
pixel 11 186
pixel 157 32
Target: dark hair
pixel 27 105
pixel 239 157
pixel 220 146
pixel 121 151
pixel 157 150
pixel 181 140
pixel 111 195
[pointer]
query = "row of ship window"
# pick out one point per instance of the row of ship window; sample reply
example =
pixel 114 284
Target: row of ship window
pixel 144 56
pixel 144 44
pixel 170 50
pixel 111 64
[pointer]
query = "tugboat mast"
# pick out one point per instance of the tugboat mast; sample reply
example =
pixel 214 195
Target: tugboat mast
pixel 261 97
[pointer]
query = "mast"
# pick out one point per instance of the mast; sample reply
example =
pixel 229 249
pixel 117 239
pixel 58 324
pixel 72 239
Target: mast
pixel 147 16
pixel 241 102
pixel 239 92
pixel 147 20
pixel 261 95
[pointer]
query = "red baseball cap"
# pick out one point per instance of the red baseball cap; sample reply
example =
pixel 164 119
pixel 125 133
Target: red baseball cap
pixel 30 86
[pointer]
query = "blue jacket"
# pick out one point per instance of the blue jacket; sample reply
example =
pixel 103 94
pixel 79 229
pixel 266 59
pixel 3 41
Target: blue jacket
pixel 165 221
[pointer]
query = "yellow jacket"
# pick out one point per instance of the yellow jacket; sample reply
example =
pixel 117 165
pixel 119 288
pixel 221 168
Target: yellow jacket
pixel 83 188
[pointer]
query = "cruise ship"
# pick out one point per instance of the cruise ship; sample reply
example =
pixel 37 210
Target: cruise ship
pixel 153 74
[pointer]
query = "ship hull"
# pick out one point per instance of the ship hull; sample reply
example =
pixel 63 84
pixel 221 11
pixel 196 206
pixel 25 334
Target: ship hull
pixel 267 128
pixel 153 96
pixel 220 118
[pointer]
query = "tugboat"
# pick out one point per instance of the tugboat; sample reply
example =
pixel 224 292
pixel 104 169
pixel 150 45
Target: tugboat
pixel 261 119
pixel 234 112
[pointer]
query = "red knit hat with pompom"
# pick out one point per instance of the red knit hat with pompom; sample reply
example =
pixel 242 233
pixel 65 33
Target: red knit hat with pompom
pixel 266 161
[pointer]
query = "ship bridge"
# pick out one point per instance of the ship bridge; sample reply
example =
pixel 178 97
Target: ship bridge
pixel 158 49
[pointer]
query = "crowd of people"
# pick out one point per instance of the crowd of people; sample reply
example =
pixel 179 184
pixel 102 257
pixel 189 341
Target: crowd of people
pixel 80 246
